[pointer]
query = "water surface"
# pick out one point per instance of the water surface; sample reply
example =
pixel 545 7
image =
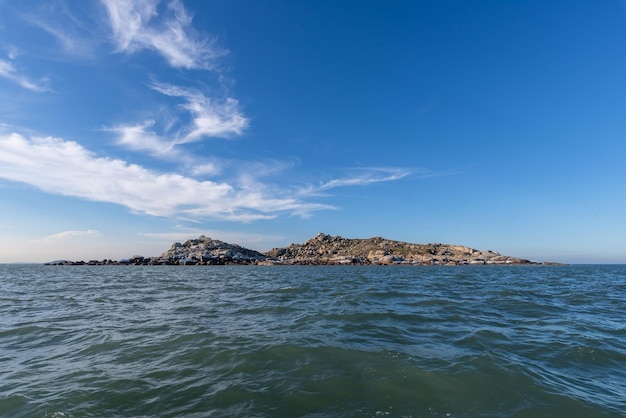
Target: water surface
pixel 357 341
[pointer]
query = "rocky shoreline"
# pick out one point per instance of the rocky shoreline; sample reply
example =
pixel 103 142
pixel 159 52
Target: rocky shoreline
pixel 323 249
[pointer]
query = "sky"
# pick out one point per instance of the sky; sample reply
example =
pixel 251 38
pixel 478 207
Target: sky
pixel 127 126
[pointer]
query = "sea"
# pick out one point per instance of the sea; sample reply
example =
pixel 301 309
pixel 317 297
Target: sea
pixel 312 341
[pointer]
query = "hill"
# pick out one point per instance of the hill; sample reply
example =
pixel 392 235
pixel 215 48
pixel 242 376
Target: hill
pixel 323 249
pixel 206 250
pixel 326 249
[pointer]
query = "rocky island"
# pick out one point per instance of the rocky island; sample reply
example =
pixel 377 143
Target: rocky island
pixel 323 249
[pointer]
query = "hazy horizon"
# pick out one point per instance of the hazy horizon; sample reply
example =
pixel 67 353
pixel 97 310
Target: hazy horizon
pixel 158 250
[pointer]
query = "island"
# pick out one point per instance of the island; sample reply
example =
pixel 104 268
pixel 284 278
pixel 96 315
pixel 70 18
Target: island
pixel 322 249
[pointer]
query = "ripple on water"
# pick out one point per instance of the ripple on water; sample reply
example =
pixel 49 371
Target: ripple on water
pixel 318 341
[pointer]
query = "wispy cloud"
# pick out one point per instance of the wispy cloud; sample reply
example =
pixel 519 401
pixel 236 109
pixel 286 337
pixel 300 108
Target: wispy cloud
pixel 8 71
pixel 138 25
pixel 365 176
pixel 12 52
pixel 211 117
pixel 78 36
pixel 68 235
pixel 139 137
pixel 368 176
pixel 64 167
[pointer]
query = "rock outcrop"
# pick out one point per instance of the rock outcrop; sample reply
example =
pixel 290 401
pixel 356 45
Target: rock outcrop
pixel 204 250
pixel 326 249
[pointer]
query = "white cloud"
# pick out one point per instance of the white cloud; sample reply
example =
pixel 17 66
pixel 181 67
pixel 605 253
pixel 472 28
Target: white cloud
pixel 204 169
pixel 371 175
pixel 8 71
pixel 211 117
pixel 367 177
pixel 68 235
pixel 138 25
pixel 138 137
pixel 66 168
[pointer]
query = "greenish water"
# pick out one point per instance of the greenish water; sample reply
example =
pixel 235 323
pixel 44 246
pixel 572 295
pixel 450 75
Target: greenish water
pixel 312 341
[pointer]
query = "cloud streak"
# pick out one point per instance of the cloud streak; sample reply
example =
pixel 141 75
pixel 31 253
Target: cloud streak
pixel 77 36
pixel 68 235
pixel 371 175
pixel 364 177
pixel 8 71
pixel 138 25
pixel 66 168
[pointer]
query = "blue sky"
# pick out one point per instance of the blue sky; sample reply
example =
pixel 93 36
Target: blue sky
pixel 126 126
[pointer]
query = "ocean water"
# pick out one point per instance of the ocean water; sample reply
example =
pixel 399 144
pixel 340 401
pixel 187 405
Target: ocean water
pixel 357 341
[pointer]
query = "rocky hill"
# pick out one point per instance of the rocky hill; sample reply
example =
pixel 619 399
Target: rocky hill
pixel 326 249
pixel 321 250
pixel 205 250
